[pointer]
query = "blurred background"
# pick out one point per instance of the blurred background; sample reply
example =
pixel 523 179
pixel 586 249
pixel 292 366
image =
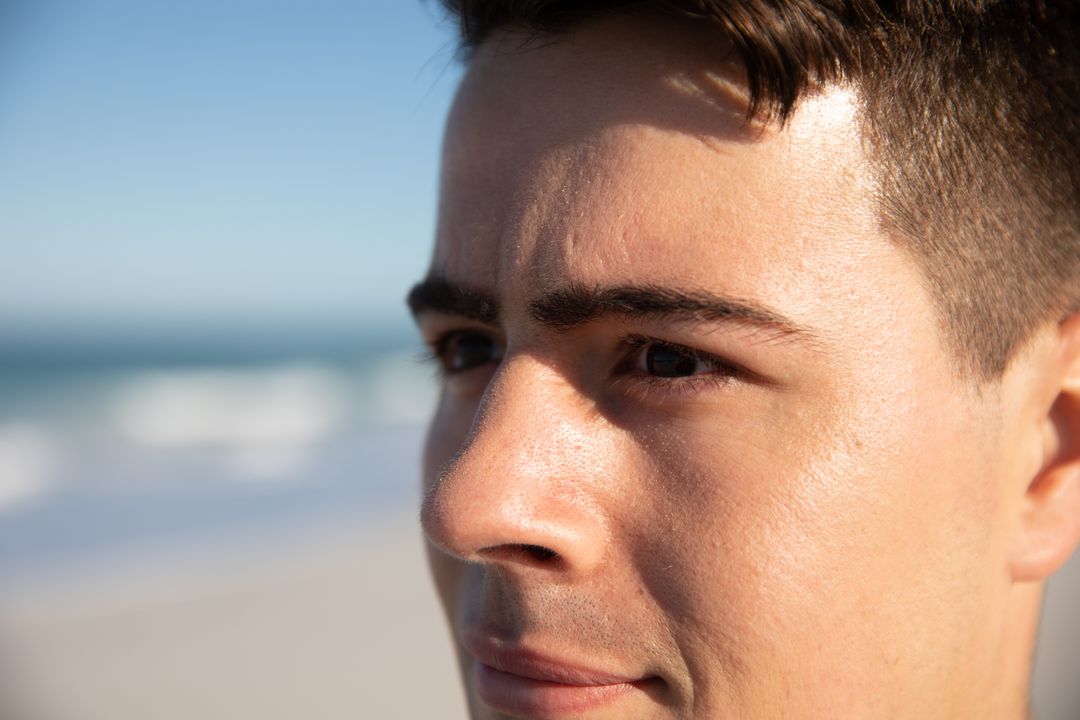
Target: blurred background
pixel 211 403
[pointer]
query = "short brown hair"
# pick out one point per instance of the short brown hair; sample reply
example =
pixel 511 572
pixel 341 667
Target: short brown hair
pixel 972 112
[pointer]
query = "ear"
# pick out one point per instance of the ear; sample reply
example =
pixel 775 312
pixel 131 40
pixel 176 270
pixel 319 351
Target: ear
pixel 1050 520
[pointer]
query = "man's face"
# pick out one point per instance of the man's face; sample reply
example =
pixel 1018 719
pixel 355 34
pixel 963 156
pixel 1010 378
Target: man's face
pixel 700 450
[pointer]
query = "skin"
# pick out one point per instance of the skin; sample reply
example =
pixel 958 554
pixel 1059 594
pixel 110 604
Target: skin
pixel 823 519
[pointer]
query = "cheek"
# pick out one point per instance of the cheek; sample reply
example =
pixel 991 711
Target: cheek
pixel 818 540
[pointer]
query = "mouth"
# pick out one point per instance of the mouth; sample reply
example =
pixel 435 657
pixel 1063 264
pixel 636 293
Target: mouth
pixel 521 682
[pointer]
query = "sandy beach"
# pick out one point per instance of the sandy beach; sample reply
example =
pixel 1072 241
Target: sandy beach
pixel 342 625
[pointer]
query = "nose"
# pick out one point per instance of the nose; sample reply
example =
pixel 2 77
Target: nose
pixel 522 489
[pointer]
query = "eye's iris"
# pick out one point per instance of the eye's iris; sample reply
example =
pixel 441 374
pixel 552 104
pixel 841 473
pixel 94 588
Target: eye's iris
pixel 669 362
pixel 466 351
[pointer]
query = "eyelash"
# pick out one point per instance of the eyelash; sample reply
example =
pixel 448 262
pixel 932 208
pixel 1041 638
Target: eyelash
pixel 723 371
pixel 435 352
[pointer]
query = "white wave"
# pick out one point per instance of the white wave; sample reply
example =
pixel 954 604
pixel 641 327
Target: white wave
pixel 400 391
pixel 28 460
pixel 266 421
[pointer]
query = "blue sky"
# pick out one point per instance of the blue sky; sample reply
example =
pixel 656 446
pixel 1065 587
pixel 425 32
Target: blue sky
pixel 218 162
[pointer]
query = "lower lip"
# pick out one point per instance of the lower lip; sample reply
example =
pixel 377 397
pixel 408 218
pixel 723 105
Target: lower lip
pixel 542 699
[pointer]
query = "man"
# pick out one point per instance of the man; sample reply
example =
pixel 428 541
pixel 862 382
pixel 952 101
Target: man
pixel 760 351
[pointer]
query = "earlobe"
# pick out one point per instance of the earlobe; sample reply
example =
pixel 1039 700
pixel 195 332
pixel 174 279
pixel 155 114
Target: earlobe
pixel 1050 521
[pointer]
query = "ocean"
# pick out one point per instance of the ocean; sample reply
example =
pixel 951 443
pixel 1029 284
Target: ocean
pixel 130 449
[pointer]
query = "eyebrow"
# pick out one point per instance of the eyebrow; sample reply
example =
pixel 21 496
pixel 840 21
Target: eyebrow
pixel 437 294
pixel 578 304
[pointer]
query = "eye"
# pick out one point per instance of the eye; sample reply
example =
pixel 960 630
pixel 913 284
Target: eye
pixel 656 365
pixel 463 350
pixel 666 361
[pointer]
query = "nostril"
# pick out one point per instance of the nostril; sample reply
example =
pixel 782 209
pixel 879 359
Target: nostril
pixel 521 553
pixel 538 552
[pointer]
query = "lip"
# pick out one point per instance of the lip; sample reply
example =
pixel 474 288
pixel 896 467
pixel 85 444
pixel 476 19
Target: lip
pixel 521 681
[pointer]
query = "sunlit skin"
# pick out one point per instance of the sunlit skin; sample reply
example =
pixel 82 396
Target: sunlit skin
pixel 748 481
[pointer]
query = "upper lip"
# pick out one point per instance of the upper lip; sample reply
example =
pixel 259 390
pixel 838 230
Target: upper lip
pixel 533 664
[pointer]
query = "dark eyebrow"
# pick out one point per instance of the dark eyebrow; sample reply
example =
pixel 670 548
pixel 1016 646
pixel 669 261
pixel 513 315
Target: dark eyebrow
pixel 577 305
pixel 437 294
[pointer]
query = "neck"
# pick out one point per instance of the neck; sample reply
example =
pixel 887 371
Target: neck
pixel 1018 649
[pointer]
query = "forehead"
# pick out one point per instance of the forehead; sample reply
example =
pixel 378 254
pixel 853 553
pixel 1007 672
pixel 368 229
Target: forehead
pixel 620 152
